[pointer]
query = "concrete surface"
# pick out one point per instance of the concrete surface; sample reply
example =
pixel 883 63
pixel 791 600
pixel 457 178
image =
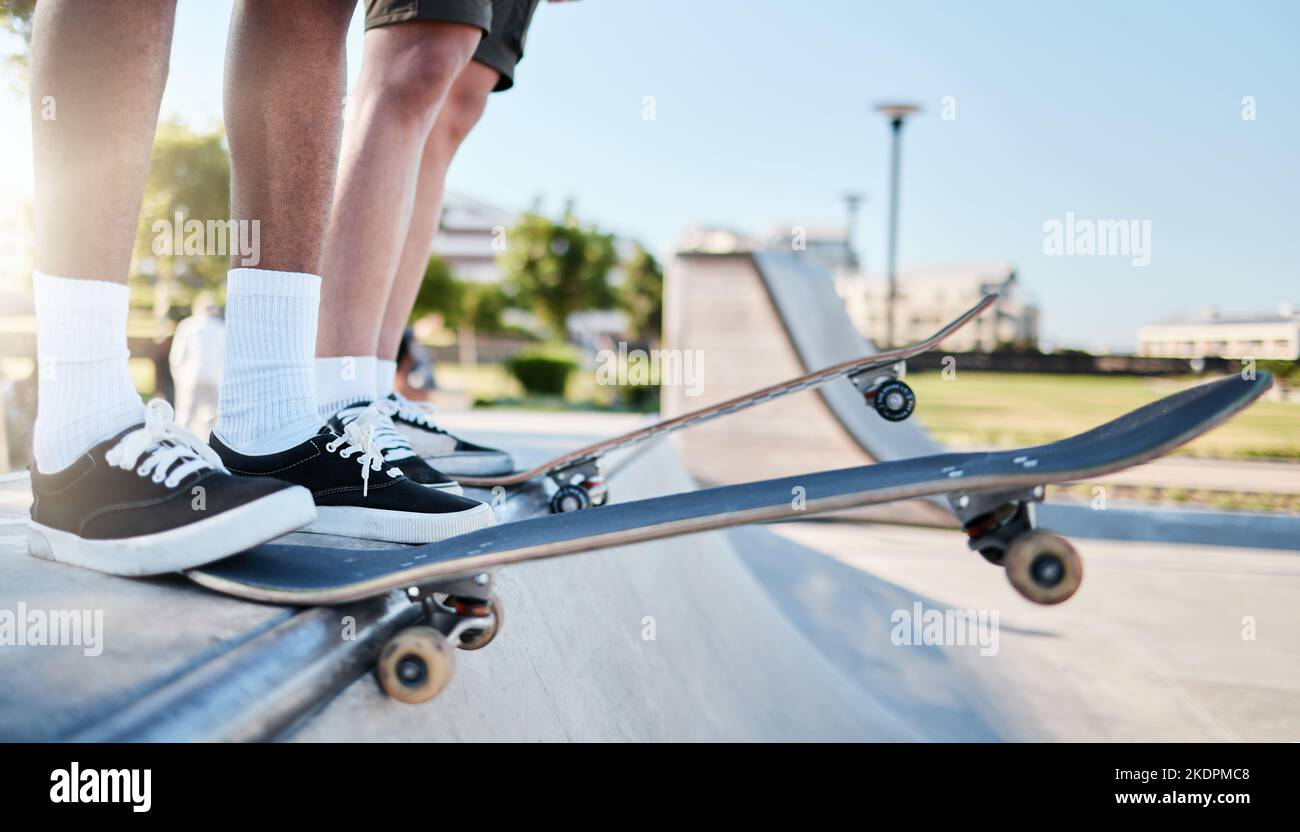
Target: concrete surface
pixel 1164 642
pixel 681 640
pixel 151 632
pixel 1260 476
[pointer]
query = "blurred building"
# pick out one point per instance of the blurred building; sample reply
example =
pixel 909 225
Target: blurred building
pixel 16 252
pixel 828 247
pixel 471 235
pixel 931 296
pixel 1274 335
pixel 928 296
pixel 704 239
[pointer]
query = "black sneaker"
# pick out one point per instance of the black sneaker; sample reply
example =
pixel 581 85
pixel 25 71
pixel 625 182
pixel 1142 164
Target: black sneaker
pixel 376 417
pixel 450 454
pixel 357 494
pixel 155 499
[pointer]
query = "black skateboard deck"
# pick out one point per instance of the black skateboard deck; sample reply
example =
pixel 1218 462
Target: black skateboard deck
pixel 308 575
pixel 992 493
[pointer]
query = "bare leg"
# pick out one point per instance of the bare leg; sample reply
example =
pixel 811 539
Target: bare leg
pixel 407 73
pixel 464 107
pixel 284 99
pixel 98 72
pixel 285 79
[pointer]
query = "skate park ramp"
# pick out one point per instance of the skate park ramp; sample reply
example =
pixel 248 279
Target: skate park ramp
pixel 680 640
pixel 691 638
pixel 749 332
pixel 757 318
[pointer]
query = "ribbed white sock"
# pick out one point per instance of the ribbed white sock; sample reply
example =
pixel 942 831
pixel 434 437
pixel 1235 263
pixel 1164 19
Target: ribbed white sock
pixel 342 381
pixel 267 401
pixel 85 388
pixel 385 377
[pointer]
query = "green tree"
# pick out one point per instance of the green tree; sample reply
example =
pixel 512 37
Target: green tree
pixel 642 295
pixel 16 27
pixel 440 293
pixel 186 200
pixel 460 303
pixel 556 269
pixel 485 304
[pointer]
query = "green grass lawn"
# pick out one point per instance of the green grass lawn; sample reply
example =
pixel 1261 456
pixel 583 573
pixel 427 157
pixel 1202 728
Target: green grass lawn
pixel 492 383
pixel 1000 410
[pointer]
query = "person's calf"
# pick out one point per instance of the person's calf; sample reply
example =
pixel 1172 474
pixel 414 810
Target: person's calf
pixel 97 77
pixel 284 86
pixel 459 114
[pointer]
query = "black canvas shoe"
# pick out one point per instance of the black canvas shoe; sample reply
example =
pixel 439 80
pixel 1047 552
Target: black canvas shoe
pixel 448 453
pixel 376 417
pixel 357 494
pixel 156 499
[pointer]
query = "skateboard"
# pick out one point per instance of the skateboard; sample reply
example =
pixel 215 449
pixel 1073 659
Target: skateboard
pixel 577 475
pixel 992 493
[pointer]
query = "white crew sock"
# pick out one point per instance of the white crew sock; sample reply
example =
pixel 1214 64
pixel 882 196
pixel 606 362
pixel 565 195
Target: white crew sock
pixel 385 377
pixel 86 394
pixel 267 402
pixel 342 381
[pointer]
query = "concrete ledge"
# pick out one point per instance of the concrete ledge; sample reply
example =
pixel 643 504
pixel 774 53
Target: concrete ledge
pixel 1209 528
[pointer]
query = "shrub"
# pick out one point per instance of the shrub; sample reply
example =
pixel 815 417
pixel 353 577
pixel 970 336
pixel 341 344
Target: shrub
pixel 542 373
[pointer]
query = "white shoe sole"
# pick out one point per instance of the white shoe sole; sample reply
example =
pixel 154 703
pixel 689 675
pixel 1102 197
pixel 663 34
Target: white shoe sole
pixel 399 526
pixel 184 547
pixel 451 487
pixel 480 464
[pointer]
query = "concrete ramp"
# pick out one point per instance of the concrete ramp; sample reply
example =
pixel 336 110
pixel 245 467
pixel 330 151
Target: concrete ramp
pixel 813 318
pixel 706 637
pixel 758 319
pixel 681 640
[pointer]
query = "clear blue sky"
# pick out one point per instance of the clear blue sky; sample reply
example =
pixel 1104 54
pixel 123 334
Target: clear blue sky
pixel 1112 110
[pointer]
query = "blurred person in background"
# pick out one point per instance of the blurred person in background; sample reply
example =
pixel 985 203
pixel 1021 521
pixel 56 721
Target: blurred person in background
pixel 415 377
pixel 197 358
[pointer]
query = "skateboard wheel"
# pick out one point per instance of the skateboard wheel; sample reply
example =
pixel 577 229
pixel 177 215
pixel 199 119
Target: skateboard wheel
pixel 1044 568
pixel 415 665
pixel 895 401
pixel 570 498
pixel 478 639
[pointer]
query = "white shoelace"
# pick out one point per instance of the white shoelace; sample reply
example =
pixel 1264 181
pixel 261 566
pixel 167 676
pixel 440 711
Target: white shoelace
pixel 418 412
pixel 170 452
pixel 392 444
pixel 368 433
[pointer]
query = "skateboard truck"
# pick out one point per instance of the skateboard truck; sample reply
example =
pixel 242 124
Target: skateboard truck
pixel 417 662
pixel 1043 567
pixel 884 390
pixel 581 485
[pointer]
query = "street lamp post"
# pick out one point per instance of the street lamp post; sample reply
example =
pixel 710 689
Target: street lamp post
pixel 852 202
pixel 896 113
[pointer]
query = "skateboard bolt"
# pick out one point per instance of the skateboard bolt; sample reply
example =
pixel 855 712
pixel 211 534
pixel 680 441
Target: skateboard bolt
pixel 410 671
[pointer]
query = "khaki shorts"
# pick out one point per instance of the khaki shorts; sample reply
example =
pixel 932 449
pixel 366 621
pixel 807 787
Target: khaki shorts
pixel 504 24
